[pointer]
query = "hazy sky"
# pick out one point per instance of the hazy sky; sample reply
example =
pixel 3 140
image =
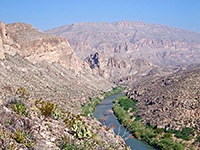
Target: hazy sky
pixel 46 14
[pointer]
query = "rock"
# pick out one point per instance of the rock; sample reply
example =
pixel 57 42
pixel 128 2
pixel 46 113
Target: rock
pixel 173 106
pixel 46 66
pixel 124 71
pixel 158 44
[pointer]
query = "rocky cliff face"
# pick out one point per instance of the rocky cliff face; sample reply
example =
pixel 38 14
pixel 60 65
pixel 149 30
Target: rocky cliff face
pixel 156 43
pixel 46 66
pixel 170 102
pixel 125 71
pixel 36 46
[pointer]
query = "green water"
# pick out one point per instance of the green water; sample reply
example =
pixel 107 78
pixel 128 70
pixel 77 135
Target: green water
pixel 104 110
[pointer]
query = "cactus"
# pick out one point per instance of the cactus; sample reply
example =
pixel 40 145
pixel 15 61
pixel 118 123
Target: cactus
pixel 80 130
pixel 58 115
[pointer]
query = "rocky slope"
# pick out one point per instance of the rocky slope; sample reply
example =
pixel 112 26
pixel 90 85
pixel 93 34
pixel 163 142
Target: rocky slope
pixel 170 102
pixel 126 71
pixel 49 81
pixel 35 127
pixel 45 65
pixel 156 43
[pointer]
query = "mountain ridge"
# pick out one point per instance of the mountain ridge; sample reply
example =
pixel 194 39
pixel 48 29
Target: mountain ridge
pixel 159 44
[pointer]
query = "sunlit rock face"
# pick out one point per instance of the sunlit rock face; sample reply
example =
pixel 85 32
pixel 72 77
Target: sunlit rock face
pixel 46 66
pixel 159 44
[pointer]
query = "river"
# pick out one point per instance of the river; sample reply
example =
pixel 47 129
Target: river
pixel 104 110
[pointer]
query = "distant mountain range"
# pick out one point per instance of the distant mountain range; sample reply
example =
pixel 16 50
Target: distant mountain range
pixel 159 44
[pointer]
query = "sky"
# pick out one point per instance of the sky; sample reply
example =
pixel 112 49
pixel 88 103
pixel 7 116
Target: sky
pixel 47 14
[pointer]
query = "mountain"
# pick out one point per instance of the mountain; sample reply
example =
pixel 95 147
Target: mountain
pixel 46 66
pixel 158 44
pixel 36 46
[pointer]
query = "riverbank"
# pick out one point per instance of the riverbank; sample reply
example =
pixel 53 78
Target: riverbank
pixel 125 110
pixel 105 115
pixel 88 108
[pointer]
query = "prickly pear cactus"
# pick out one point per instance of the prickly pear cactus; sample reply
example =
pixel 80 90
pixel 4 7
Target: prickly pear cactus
pixel 80 130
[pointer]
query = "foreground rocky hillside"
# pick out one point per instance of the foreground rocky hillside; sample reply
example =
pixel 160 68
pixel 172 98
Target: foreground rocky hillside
pixel 171 102
pixel 42 125
pixel 156 43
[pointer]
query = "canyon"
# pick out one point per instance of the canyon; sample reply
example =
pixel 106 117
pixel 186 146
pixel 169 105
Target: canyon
pixel 67 65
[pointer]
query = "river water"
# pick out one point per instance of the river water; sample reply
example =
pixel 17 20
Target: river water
pixel 104 110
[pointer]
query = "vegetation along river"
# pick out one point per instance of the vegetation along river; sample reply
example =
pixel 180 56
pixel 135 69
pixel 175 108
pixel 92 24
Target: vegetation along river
pixel 104 110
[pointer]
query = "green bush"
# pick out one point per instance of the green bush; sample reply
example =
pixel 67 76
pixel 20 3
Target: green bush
pixel 169 144
pixel 90 107
pixel 120 113
pixel 6 144
pixel 167 135
pixel 126 102
pixel 20 108
pixel 137 118
pixel 198 138
pixel 186 134
pixel 159 130
pixel 144 132
pixel 114 91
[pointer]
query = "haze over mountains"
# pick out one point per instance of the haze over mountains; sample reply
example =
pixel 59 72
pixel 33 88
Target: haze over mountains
pixel 159 44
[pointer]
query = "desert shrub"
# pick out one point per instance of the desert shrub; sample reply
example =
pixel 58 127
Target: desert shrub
pixel 80 130
pixel 19 136
pixel 22 93
pixel 58 114
pixel 19 108
pixel 46 108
